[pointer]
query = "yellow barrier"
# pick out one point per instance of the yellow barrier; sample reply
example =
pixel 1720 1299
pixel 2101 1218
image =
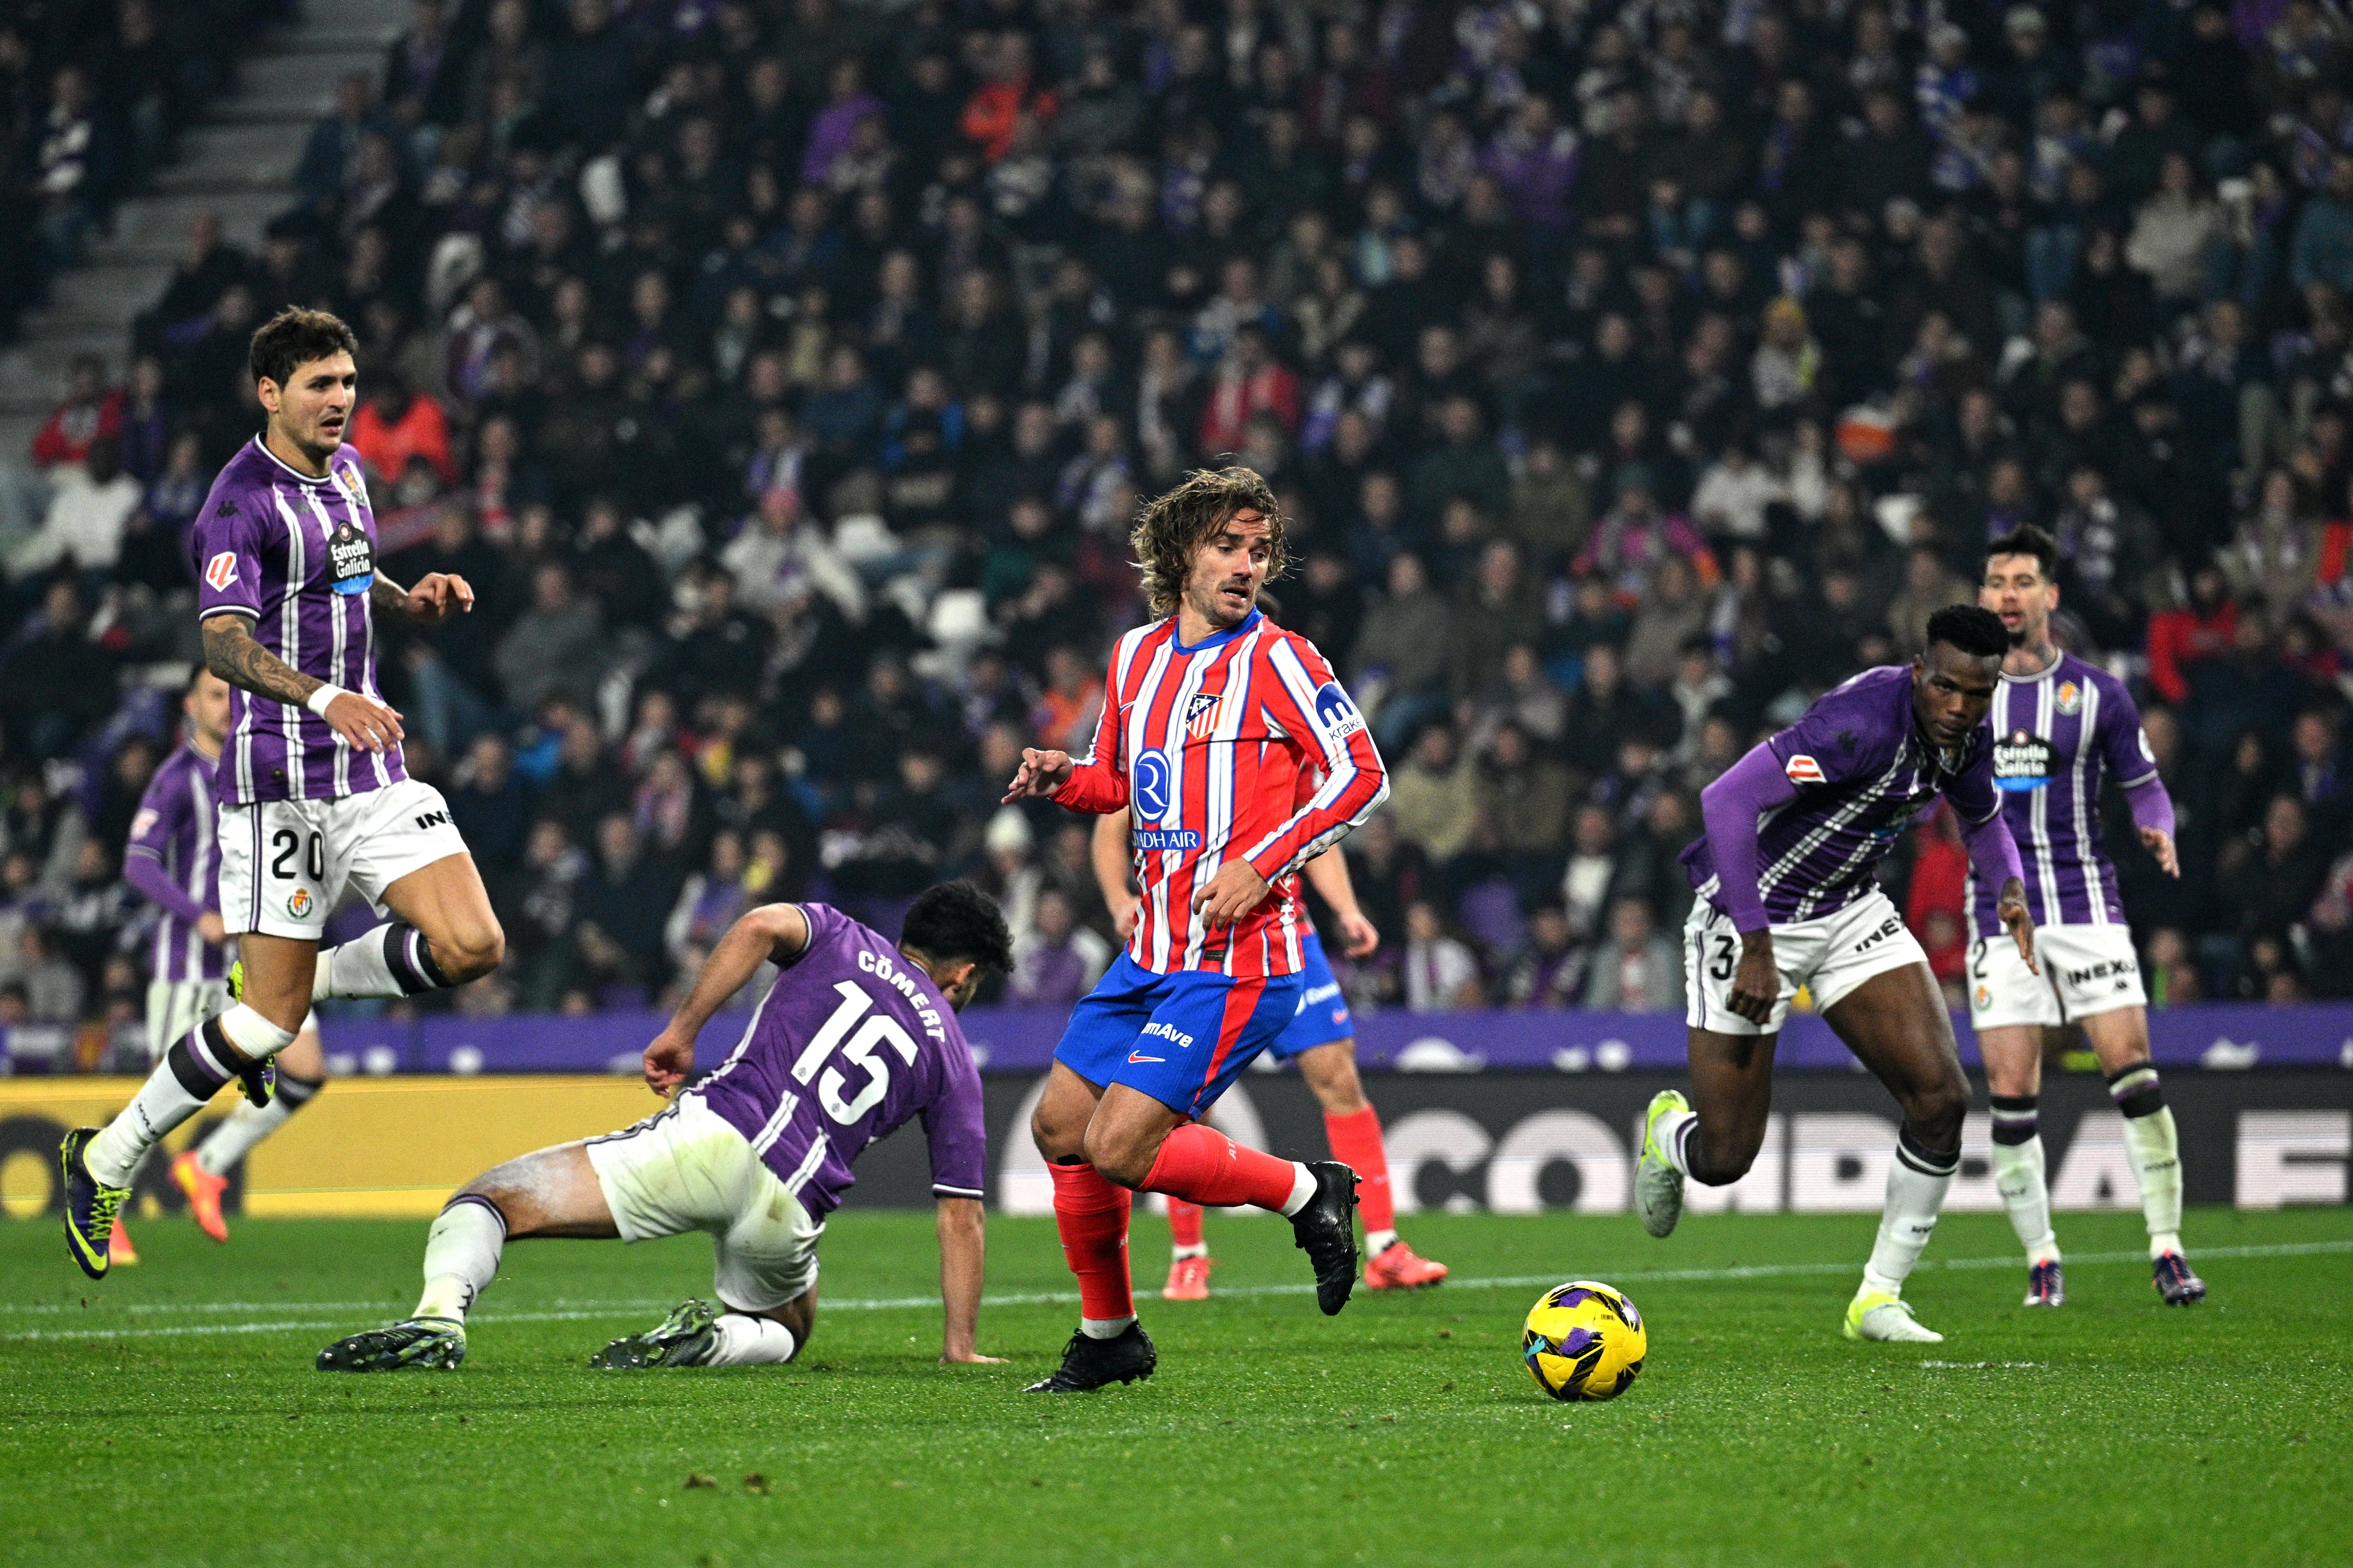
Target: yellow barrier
pixel 383 1146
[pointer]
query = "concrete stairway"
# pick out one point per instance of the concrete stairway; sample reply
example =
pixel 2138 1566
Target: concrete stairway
pixel 238 161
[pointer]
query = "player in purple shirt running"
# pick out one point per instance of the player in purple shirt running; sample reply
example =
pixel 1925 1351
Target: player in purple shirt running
pixel 172 858
pixel 1795 832
pixel 2061 727
pixel 312 794
pixel 856 1037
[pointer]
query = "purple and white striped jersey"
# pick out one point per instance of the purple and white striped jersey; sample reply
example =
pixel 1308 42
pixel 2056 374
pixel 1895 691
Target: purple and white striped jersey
pixel 1863 772
pixel 2057 737
pixel 173 827
pixel 297 555
pixel 851 1042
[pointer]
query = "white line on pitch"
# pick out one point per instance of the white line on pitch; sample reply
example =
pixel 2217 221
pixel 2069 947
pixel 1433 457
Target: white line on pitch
pixel 590 1310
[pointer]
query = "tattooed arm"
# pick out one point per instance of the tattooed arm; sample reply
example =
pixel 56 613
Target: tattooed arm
pixel 231 653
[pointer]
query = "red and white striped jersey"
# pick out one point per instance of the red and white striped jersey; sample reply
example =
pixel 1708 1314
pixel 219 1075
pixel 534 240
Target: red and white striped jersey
pixel 1207 745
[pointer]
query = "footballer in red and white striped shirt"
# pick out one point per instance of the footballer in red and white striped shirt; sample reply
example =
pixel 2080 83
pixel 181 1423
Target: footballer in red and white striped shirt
pixel 1211 717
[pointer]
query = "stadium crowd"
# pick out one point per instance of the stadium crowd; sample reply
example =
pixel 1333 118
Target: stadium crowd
pixel 92 93
pixel 784 375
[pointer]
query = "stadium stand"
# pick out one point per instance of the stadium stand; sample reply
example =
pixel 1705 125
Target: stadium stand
pixel 784 376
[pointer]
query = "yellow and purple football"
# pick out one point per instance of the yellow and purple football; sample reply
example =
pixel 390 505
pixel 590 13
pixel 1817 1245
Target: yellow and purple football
pixel 1584 1340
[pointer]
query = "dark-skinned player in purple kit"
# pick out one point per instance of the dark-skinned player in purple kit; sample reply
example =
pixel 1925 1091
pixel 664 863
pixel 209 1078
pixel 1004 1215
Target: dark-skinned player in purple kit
pixel 1795 833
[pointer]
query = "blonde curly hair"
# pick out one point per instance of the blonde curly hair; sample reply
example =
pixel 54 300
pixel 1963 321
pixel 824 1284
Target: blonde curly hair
pixel 1171 527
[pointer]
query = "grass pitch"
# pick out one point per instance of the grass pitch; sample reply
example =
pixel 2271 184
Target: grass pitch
pixel 171 1415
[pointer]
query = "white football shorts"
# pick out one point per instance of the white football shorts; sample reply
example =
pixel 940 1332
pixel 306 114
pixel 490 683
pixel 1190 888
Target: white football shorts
pixel 2086 970
pixel 284 863
pixel 1832 955
pixel 684 1168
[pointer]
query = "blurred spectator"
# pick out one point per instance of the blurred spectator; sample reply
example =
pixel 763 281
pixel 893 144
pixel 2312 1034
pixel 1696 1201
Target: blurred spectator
pixel 1636 968
pixel 1437 971
pixel 1056 960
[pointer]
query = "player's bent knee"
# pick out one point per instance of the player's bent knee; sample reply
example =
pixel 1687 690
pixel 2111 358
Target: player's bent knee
pixel 1713 1168
pixel 469 952
pixel 1122 1159
pixel 1060 1138
pixel 1937 1110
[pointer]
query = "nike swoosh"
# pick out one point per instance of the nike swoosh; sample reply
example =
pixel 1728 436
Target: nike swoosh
pixel 1140 1056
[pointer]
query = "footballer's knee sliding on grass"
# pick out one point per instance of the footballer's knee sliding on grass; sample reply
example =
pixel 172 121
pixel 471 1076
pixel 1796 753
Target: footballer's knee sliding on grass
pixel 856 1037
pixel 1794 833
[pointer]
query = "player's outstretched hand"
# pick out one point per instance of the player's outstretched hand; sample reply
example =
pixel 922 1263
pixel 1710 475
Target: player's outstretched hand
pixel 1042 773
pixel 2161 844
pixel 364 722
pixel 2012 911
pixel 1233 892
pixel 668 1061
pixel 435 595
pixel 1359 936
pixel 1757 983
pixel 1124 913
pixel 211 927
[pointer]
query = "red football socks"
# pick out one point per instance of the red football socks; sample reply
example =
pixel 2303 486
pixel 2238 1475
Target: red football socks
pixel 1357 1143
pixel 1202 1165
pixel 1184 1223
pixel 1092 1216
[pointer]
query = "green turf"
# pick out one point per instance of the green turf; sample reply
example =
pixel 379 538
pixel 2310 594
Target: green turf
pixel 1406 1430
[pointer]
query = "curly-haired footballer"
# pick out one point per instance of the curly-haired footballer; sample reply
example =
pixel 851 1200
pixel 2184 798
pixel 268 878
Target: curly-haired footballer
pixel 1211 714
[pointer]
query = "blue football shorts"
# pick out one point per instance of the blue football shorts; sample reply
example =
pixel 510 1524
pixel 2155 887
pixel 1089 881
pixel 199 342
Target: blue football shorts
pixel 1323 1016
pixel 1179 1037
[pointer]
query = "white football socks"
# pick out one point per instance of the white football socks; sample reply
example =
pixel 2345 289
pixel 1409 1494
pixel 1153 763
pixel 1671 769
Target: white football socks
pixel 1106 1328
pixel 249 1124
pixel 1675 1131
pixel 1378 1241
pixel 392 960
pixel 1302 1189
pixel 198 1064
pixel 2019 1175
pixel 1916 1183
pixel 747 1340
pixel 462 1255
pixel 2153 1149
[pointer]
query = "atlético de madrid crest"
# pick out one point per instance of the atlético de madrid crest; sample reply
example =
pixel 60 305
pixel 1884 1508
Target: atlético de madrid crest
pixel 2069 699
pixel 1201 713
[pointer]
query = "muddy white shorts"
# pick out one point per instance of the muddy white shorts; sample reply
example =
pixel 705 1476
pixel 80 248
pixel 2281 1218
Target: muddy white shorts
pixel 684 1168
pixel 284 863
pixel 1830 955
pixel 2086 970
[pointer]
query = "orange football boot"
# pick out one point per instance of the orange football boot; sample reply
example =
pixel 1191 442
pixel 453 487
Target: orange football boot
pixel 118 1250
pixel 1189 1280
pixel 1400 1268
pixel 204 1189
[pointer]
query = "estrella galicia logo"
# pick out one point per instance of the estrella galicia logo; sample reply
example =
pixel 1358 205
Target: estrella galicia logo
pixel 2023 762
pixel 1152 783
pixel 1339 716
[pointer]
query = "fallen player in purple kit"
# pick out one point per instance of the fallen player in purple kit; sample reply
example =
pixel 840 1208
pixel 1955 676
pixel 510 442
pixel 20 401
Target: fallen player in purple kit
pixel 856 1037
